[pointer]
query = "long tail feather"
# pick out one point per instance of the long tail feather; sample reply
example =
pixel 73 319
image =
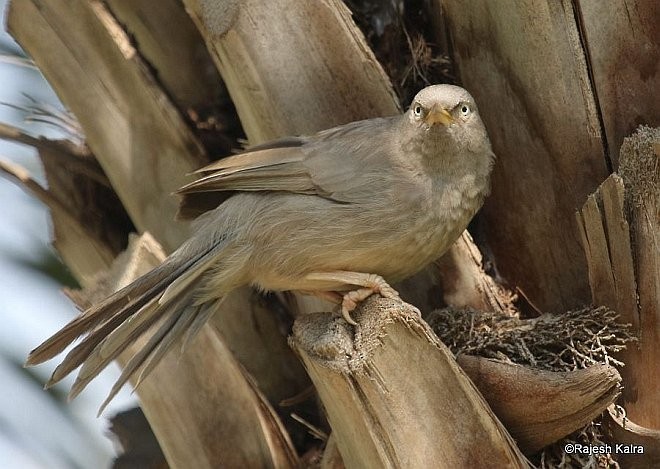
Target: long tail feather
pixel 152 353
pixel 200 319
pixel 173 335
pixel 99 313
pixel 81 351
pixel 111 345
pixel 183 281
pixel 116 342
pixel 113 320
pixel 162 300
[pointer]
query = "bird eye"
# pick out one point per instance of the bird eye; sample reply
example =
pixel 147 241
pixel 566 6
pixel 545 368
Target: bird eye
pixel 465 110
pixel 417 110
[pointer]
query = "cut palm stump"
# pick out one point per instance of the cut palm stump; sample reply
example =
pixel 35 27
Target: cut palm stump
pixel 619 224
pixel 426 413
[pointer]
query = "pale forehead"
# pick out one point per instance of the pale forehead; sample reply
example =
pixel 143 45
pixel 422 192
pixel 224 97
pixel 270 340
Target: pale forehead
pixel 447 96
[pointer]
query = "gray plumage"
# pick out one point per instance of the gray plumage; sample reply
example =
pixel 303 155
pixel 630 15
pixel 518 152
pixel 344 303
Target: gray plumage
pixel 327 213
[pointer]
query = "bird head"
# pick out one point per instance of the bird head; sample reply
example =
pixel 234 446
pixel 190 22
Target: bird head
pixel 447 125
pixel 443 107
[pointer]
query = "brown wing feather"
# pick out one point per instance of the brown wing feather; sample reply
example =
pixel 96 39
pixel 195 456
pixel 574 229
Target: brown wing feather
pixel 256 154
pixel 251 159
pixel 270 169
pixel 335 163
pixel 278 168
pixel 292 177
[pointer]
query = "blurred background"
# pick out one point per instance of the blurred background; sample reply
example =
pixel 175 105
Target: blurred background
pixel 38 429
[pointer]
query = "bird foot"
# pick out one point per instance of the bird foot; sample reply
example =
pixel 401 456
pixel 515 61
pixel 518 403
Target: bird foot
pixel 376 284
pixel 339 287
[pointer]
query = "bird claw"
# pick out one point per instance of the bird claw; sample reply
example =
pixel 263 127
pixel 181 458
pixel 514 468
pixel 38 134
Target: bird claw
pixel 346 314
pixel 352 298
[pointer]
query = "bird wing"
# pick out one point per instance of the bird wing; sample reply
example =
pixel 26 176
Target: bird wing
pixel 277 168
pixel 336 164
pixel 346 163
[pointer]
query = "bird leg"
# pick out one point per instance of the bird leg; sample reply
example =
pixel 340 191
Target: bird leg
pixel 329 296
pixel 337 287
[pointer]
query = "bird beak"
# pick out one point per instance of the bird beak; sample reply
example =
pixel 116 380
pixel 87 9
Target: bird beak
pixel 439 115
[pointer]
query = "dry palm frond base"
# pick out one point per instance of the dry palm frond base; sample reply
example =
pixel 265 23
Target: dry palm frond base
pixel 401 35
pixel 570 341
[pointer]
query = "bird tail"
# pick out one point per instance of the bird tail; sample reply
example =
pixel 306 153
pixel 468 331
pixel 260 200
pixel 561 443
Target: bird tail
pixel 159 298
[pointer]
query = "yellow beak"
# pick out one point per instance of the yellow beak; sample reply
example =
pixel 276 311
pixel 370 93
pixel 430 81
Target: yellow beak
pixel 439 115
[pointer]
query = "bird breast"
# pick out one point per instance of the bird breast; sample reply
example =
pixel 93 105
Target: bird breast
pixel 435 229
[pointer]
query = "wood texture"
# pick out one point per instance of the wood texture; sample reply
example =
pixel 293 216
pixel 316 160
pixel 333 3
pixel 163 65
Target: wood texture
pixel 169 41
pixel 622 38
pixel 640 170
pixel 329 76
pixel 540 407
pixel 84 253
pixel 129 123
pixel 606 241
pixel 620 241
pixel 539 109
pixel 627 432
pixel 254 333
pixel 331 456
pixel 387 415
pixel 464 282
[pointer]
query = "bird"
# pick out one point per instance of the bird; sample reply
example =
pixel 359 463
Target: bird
pixel 340 214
